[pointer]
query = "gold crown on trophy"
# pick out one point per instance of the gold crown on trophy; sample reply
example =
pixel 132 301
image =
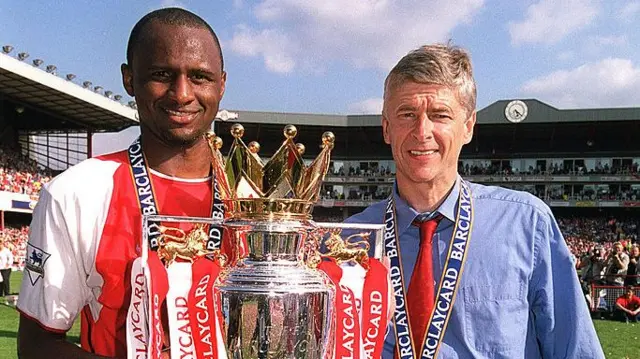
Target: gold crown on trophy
pixel 280 188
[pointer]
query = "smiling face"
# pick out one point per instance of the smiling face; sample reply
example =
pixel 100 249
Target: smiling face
pixel 426 126
pixel 177 79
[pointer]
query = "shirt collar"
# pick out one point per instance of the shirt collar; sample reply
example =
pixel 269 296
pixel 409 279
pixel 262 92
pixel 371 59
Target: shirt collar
pixel 405 214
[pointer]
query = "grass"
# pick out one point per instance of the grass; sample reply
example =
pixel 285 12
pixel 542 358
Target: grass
pixel 619 340
pixel 9 324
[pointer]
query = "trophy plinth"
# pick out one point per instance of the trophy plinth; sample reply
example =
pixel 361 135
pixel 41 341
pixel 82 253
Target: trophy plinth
pixel 273 304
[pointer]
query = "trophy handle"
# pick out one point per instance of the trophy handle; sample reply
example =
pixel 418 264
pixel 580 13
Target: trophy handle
pixel 352 249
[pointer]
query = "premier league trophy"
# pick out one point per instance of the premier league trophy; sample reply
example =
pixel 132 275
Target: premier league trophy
pixel 267 282
pixel 273 304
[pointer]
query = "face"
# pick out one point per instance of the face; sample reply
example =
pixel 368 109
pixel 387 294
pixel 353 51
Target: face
pixel 426 126
pixel 177 80
pixel 618 248
pixel 635 251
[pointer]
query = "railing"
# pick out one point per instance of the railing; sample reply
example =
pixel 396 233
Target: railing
pixel 603 296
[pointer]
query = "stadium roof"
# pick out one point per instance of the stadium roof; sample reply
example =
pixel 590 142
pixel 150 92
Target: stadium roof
pixel 538 112
pixel 32 87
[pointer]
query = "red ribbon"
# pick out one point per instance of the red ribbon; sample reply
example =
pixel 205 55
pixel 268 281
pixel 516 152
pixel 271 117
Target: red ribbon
pixel 347 322
pixel 375 304
pixel 201 305
pixel 158 288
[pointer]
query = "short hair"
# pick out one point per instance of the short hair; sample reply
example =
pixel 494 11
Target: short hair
pixel 629 287
pixel 439 64
pixel 169 16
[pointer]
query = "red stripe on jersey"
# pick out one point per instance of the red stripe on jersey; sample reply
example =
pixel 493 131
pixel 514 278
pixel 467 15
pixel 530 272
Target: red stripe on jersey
pixel 120 245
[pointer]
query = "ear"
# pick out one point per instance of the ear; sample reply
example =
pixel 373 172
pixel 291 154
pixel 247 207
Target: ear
pixel 127 79
pixel 223 83
pixel 468 127
pixel 385 129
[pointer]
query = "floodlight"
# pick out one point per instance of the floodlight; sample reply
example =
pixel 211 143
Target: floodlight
pixel 19 109
pixel 133 105
pixel 38 62
pixel 7 49
pixel 70 77
pixel 108 93
pixel 22 56
pixel 51 69
pixel 86 84
pixel 117 97
pixel 97 88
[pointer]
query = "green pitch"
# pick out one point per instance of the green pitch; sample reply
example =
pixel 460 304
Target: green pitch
pixel 619 340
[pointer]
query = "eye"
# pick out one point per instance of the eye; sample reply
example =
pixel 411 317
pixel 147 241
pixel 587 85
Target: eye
pixel 201 77
pixel 161 75
pixel 441 116
pixel 407 115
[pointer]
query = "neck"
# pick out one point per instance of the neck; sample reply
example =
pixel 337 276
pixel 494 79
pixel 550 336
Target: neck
pixel 425 197
pixel 188 161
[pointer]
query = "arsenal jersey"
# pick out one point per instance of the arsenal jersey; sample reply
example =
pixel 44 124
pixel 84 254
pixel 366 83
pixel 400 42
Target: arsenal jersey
pixel 84 236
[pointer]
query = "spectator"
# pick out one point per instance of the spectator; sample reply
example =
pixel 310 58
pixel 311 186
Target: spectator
pixel 617 265
pixel 634 265
pixel 628 306
pixel 6 262
pixel 593 266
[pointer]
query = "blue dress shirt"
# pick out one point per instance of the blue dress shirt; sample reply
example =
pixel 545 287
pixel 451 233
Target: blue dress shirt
pixel 519 295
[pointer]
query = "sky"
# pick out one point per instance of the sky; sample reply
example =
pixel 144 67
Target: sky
pixel 331 56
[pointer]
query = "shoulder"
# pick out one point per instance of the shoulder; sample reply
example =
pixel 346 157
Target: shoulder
pixel 89 177
pixel 372 214
pixel 508 199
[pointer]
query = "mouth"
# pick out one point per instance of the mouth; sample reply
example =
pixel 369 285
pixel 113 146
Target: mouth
pixel 180 115
pixel 423 153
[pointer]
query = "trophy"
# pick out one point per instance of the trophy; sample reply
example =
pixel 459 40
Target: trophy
pixel 279 285
pixel 274 301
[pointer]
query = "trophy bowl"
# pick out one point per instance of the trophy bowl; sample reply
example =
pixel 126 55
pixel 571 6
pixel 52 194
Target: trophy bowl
pixel 274 305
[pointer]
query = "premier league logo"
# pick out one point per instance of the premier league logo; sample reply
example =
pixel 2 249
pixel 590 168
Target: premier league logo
pixel 36 258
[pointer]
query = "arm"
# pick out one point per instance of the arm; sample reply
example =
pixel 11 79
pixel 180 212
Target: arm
pixel 48 342
pixel 622 308
pixel 54 288
pixel 558 310
pixel 620 261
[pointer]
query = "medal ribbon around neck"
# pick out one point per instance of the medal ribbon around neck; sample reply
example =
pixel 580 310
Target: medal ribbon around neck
pixel 148 204
pixel 446 294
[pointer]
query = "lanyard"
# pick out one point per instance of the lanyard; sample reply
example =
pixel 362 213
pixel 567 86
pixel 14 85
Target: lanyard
pixel 148 204
pixel 448 285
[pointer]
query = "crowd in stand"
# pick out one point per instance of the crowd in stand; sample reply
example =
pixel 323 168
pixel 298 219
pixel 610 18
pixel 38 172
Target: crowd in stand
pixel 493 169
pixel 20 174
pixel 552 169
pixel 15 239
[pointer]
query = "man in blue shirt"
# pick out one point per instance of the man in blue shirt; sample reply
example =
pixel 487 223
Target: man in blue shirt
pixel 517 295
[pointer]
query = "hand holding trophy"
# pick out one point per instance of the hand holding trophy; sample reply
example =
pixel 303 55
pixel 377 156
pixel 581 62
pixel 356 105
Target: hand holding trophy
pixel 260 279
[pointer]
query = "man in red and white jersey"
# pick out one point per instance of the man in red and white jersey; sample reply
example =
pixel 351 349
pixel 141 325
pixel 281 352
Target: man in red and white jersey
pixel 86 228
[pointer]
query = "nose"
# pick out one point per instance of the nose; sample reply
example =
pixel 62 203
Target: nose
pixel 424 128
pixel 182 90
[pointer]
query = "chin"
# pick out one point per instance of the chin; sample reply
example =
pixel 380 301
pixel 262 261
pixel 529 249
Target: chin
pixel 183 139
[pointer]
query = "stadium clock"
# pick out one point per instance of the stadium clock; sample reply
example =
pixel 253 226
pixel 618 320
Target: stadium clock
pixel 516 111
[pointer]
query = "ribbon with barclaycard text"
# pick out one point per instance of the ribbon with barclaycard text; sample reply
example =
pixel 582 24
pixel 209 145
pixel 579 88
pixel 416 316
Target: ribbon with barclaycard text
pixel 347 339
pixel 448 285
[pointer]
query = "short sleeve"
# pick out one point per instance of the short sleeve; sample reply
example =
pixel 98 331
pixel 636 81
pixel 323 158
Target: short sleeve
pixel 54 288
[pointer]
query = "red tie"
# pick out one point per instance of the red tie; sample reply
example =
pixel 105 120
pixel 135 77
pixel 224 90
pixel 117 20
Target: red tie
pixel 420 296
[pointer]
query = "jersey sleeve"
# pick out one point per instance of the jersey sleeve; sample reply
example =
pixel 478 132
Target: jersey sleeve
pixel 54 288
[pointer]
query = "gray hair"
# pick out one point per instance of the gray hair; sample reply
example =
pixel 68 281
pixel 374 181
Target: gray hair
pixel 439 64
